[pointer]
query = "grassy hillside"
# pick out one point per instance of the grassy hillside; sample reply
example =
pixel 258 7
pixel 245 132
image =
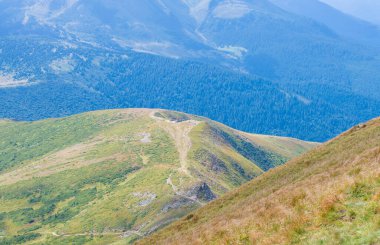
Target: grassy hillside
pixel 102 176
pixel 330 195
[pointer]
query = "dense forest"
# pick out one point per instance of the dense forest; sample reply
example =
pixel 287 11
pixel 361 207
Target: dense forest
pixel 65 80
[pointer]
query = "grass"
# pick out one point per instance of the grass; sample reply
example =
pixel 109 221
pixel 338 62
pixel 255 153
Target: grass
pixel 214 158
pixel 90 178
pixel 23 142
pixel 328 196
pixel 353 218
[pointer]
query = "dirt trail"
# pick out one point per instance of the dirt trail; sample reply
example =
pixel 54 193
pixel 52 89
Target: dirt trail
pixel 121 233
pixel 169 182
pixel 179 131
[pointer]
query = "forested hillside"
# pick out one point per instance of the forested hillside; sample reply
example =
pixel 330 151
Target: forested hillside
pixel 64 80
pixel 254 65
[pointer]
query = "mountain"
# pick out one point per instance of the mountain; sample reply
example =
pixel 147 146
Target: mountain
pixel 366 9
pixel 260 67
pixel 81 78
pixel 293 49
pixel 343 24
pixel 245 38
pixel 329 195
pixel 101 176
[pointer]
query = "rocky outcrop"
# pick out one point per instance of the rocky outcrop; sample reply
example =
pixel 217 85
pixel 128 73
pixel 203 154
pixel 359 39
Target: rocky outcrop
pixel 202 192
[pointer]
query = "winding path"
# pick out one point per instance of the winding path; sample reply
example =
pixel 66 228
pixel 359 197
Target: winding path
pixel 179 131
pixel 124 233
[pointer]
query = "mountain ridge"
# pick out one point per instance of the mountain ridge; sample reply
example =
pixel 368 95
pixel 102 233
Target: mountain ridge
pixel 116 175
pixel 343 24
pixel 328 195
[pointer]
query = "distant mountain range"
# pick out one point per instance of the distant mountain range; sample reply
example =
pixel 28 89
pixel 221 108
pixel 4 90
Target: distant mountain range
pixel 342 24
pixel 116 175
pixel 366 9
pixel 295 68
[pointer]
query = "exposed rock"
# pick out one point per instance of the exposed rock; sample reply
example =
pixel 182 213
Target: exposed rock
pixel 146 198
pixel 202 192
pixel 145 138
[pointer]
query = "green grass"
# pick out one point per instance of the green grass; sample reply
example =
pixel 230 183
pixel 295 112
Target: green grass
pixel 330 195
pixel 89 178
pixel 25 141
pixel 353 219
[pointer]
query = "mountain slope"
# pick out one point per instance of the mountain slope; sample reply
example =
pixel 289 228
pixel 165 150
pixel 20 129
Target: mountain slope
pixel 289 48
pixel 343 24
pixel 327 196
pixel 201 59
pixel 276 40
pixel 65 79
pixel 366 10
pixel 99 176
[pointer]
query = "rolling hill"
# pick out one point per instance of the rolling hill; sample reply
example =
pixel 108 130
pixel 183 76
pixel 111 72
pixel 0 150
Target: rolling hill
pixel 116 175
pixel 265 66
pixel 329 195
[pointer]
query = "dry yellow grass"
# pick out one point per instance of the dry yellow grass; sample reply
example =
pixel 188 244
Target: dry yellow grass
pixel 312 199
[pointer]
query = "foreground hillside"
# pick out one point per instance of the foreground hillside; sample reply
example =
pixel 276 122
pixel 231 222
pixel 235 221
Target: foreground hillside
pixel 330 195
pixel 100 176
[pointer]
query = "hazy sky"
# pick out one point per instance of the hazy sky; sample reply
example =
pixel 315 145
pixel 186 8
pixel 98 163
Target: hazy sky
pixel 365 9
